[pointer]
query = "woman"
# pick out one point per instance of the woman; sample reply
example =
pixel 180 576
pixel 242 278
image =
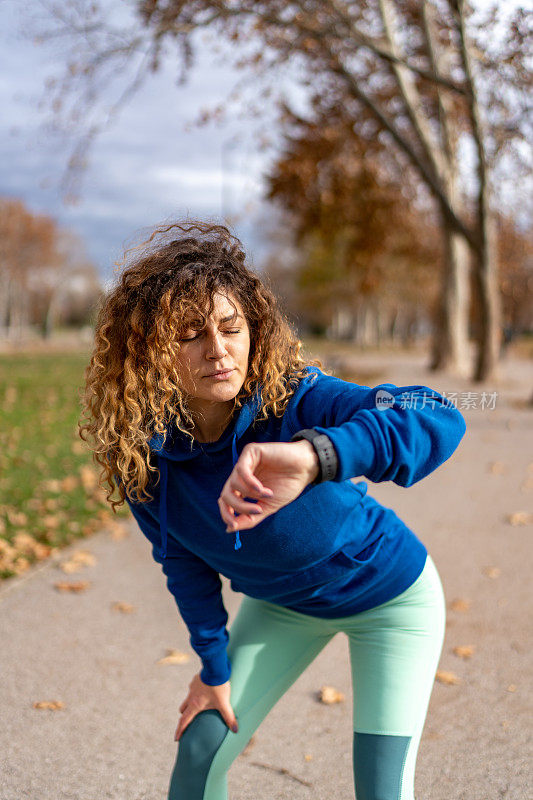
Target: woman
pixel 235 456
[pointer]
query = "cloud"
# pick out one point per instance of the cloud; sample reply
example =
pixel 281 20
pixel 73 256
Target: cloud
pixel 143 169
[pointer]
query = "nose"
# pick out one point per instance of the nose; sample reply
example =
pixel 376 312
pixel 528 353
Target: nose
pixel 215 347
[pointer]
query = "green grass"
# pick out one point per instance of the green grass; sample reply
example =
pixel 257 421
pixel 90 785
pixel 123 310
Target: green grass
pixel 49 495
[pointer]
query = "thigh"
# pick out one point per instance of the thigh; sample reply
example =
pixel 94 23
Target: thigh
pixel 394 651
pixel 269 647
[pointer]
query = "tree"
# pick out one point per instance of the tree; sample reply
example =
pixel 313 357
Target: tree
pixel 27 247
pixel 42 268
pixel 515 256
pixel 368 254
pixel 424 77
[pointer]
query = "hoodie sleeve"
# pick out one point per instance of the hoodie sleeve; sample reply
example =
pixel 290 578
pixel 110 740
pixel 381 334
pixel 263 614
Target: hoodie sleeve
pixel 385 433
pixel 196 588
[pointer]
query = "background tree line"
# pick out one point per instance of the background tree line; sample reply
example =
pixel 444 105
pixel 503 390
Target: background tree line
pixel 45 277
pixel 416 86
pixel 361 256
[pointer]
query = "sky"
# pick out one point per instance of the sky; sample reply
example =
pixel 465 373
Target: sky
pixel 145 168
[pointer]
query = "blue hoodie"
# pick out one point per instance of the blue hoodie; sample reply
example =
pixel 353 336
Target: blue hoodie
pixel 333 551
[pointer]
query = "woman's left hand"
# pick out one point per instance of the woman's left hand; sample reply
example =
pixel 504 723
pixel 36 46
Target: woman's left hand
pixel 274 473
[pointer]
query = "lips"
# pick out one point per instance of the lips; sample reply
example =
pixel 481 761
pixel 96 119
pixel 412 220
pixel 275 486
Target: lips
pixel 220 372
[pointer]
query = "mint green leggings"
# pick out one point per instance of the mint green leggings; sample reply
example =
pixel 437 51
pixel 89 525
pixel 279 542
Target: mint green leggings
pixel 394 652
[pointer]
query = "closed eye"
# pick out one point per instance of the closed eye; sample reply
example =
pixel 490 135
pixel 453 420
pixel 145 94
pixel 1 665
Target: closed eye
pixel 192 338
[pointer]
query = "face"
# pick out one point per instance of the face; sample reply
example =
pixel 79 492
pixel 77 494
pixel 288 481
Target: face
pixel 223 345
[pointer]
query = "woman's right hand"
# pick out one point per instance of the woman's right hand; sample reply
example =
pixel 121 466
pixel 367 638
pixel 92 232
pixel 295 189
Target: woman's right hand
pixel 202 696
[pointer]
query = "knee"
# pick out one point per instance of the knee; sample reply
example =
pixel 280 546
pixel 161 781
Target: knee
pixel 379 762
pixel 201 738
pixel 197 748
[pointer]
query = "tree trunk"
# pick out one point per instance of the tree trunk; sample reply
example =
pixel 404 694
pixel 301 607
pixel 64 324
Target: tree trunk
pixel 5 291
pixel 488 340
pixel 51 315
pixel 450 331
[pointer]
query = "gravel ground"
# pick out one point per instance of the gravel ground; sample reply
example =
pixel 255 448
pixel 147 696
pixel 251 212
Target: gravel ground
pixel 114 736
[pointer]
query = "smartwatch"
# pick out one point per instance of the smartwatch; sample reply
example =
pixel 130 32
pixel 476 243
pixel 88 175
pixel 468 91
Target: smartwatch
pixel 327 455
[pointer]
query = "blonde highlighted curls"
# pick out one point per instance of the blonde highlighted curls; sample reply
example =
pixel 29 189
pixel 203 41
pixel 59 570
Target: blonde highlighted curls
pixel 132 387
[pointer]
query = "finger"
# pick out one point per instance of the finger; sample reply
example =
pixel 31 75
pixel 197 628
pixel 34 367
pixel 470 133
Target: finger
pixel 244 522
pixel 244 469
pixel 183 724
pixel 241 505
pixel 240 520
pixel 249 485
pixel 229 718
pixel 183 706
pixel 230 515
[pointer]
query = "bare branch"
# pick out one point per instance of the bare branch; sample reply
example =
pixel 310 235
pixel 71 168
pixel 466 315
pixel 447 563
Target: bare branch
pixel 427 174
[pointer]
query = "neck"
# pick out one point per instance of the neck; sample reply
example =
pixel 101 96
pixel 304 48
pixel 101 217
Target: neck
pixel 210 419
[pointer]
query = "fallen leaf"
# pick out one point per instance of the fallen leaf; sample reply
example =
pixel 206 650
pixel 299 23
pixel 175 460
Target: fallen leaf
pixel 70 566
pixel 528 484
pixel 308 757
pixel 27 544
pixel 20 564
pixel 464 650
pixel 69 483
pixel 50 504
pixel 511 687
pixel 78 559
pixel 448 678
pixel 83 557
pixel 249 746
pixel 460 604
pixel 125 608
pixel 16 518
pixel 520 518
pixel 118 530
pixel 497 468
pixel 89 477
pixel 73 586
pixel 51 705
pixel 78 448
pixel 74 526
pixel 90 527
pixel 52 486
pixel 492 572
pixel 330 695
pixel 174 657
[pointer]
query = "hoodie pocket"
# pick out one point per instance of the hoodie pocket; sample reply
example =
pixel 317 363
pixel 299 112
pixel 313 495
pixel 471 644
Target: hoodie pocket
pixel 366 556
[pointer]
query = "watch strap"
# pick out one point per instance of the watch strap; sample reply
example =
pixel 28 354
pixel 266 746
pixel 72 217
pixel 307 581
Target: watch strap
pixel 327 455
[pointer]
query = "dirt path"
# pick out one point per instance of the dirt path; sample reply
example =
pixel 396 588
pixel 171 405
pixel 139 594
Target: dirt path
pixel 114 736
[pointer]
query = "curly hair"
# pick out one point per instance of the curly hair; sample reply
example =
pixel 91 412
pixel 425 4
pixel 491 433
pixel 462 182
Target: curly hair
pixel 132 386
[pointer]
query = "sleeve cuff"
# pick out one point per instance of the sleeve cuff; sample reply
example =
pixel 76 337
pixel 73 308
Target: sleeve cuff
pixel 216 668
pixel 355 447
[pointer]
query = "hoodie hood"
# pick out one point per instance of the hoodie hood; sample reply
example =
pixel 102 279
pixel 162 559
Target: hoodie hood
pixel 178 448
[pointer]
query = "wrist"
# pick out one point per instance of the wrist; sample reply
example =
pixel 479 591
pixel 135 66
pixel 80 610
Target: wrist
pixel 327 456
pixel 310 461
